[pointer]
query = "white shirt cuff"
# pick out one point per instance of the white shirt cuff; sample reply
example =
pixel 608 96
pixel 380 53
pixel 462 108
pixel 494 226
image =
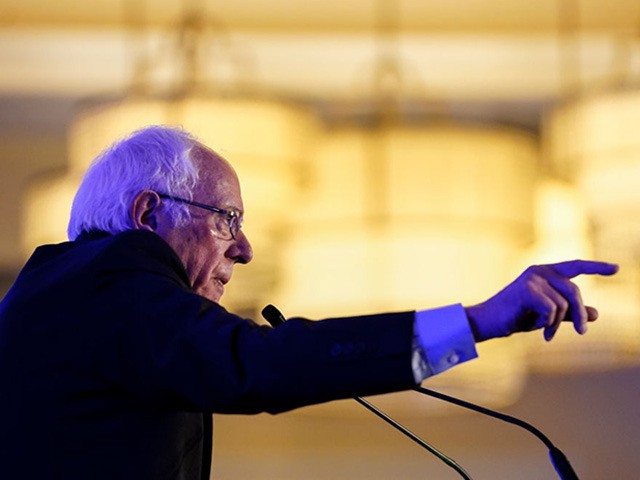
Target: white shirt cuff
pixel 442 339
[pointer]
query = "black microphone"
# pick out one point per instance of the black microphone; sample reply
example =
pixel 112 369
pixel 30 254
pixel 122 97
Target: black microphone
pixel 272 315
pixel 558 459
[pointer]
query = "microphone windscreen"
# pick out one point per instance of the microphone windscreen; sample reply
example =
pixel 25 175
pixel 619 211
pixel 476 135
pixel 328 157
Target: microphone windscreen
pixel 272 315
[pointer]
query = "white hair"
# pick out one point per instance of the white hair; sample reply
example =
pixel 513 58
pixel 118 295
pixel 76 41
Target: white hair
pixel 154 158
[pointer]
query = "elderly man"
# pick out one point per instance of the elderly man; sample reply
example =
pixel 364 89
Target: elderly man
pixel 114 350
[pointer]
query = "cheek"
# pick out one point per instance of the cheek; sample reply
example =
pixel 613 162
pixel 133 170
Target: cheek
pixel 193 253
pixel 204 261
pixel 201 254
pixel 203 275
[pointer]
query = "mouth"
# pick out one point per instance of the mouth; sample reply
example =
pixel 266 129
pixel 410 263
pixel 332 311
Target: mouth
pixel 218 282
pixel 215 289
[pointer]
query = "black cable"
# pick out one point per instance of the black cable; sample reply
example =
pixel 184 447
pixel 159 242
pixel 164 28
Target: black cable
pixel 559 460
pixel 449 461
pixel 272 315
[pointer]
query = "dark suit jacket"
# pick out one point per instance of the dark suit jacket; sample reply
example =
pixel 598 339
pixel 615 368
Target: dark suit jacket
pixel 110 366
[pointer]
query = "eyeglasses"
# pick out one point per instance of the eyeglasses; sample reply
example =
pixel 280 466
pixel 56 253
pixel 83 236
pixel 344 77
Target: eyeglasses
pixel 232 218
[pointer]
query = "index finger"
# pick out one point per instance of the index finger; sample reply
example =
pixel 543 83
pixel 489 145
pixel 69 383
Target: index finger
pixel 574 268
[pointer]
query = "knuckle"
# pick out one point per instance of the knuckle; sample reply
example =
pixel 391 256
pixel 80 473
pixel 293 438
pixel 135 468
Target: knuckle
pixel 573 290
pixel 562 310
pixel 534 273
pixel 529 274
pixel 534 285
pixel 563 304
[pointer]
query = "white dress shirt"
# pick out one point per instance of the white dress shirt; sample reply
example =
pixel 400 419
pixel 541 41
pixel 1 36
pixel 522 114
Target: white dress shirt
pixel 442 339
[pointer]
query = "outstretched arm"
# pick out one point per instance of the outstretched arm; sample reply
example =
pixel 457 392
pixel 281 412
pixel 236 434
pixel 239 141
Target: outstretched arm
pixel 542 297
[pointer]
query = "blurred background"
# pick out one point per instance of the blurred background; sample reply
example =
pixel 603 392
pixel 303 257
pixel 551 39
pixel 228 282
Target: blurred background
pixel 393 154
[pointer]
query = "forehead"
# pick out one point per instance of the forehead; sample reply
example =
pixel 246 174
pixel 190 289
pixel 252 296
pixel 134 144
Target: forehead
pixel 217 180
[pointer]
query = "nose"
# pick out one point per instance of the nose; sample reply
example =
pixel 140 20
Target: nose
pixel 241 251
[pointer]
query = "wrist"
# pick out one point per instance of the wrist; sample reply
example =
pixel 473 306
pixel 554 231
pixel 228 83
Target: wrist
pixel 485 321
pixel 472 313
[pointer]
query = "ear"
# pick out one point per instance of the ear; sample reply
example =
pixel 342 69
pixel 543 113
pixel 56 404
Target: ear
pixel 145 211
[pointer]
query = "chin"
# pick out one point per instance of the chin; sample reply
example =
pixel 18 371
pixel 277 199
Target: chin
pixel 213 294
pixel 213 298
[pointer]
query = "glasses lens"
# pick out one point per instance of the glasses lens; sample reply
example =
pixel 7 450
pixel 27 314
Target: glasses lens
pixel 235 222
pixel 222 226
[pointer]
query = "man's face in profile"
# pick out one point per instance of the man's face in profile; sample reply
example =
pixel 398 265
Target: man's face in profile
pixel 207 253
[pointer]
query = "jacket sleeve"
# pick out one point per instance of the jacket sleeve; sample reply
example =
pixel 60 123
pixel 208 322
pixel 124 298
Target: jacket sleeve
pixel 169 346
